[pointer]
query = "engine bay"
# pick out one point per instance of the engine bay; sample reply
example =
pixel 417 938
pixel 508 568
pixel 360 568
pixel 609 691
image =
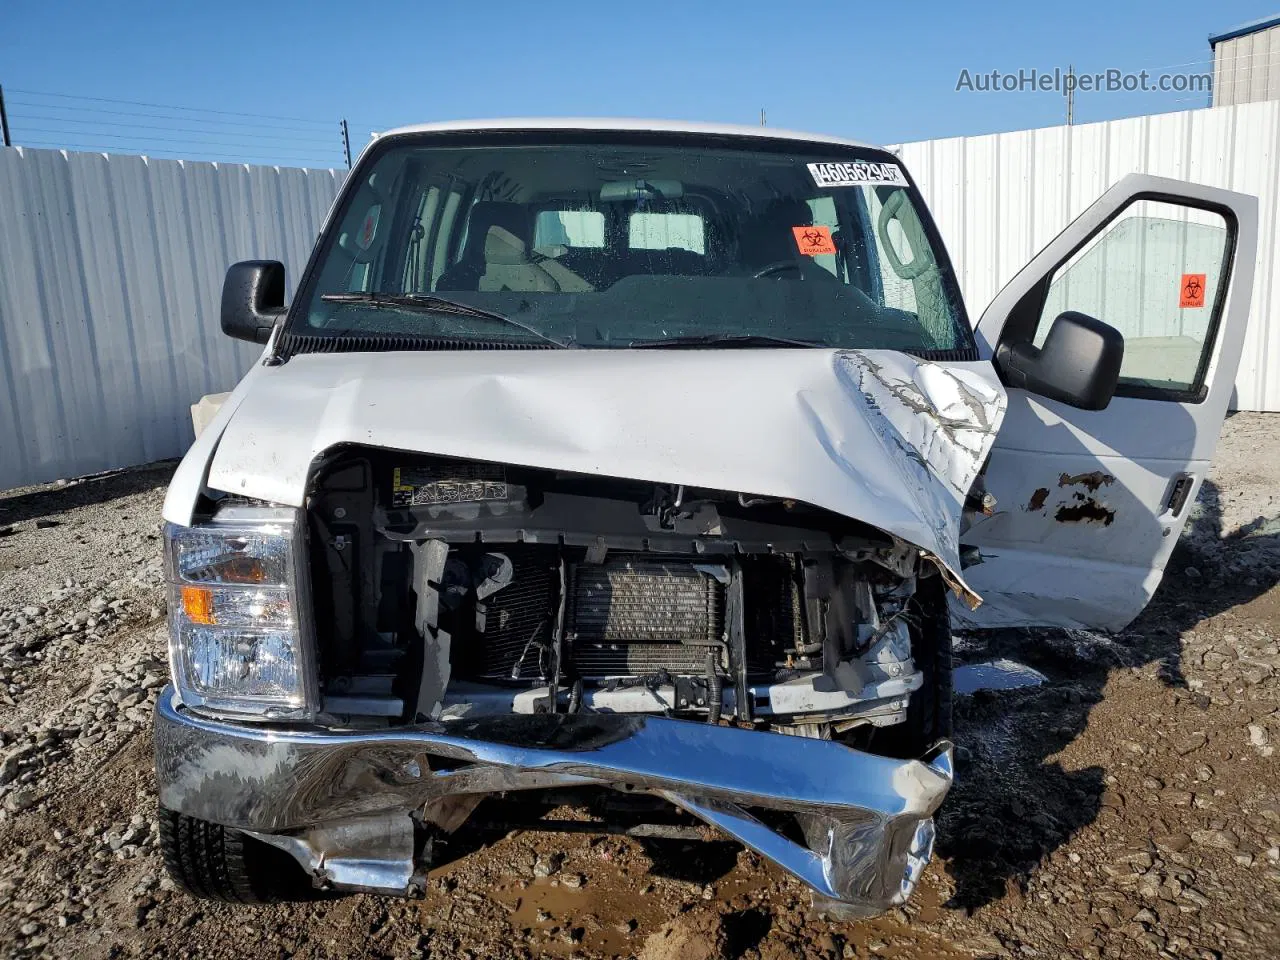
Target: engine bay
pixel 446 589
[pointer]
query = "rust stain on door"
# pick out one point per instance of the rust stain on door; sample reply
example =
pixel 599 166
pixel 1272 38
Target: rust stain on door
pixel 1087 511
pixel 1037 499
pixel 1090 481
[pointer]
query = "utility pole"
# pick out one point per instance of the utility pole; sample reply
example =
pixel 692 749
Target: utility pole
pixel 762 116
pixel 1071 94
pixel 4 122
pixel 346 142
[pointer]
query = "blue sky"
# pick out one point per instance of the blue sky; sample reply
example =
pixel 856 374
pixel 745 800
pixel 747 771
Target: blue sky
pixel 884 72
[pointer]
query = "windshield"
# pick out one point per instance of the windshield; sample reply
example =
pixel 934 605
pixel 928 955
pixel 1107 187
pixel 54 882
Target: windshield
pixel 644 240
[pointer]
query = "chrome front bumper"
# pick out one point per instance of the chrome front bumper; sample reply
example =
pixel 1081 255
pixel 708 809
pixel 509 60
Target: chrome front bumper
pixel 340 801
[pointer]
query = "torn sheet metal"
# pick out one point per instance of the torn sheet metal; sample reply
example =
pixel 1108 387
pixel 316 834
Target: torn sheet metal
pixel 875 435
pixel 937 424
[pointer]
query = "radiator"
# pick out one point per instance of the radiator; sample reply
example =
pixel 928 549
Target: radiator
pixel 632 615
pixel 638 615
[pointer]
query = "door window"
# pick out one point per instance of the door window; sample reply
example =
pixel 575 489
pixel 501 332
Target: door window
pixel 568 228
pixel 1154 273
pixel 667 231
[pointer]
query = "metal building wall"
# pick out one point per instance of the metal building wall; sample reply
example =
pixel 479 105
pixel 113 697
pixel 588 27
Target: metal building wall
pixel 1247 68
pixel 111 270
pixel 998 199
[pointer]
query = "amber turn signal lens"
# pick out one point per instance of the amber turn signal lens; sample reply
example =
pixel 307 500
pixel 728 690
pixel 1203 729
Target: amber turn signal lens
pixel 197 604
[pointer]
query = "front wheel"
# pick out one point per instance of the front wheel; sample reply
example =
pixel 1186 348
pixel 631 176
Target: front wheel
pixel 217 863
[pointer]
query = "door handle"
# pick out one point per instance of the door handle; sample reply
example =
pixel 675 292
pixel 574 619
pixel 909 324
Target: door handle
pixel 1182 484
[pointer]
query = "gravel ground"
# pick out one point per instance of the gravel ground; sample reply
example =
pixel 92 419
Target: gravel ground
pixel 1128 808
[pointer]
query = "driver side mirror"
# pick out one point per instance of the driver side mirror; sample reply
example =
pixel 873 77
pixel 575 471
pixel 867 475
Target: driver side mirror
pixel 253 299
pixel 1079 363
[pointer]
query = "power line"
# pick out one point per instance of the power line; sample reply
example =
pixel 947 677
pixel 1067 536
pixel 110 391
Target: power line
pixel 139 144
pixel 112 124
pixel 152 139
pixel 84 122
pixel 97 111
pixel 178 154
pixel 1214 61
pixel 168 106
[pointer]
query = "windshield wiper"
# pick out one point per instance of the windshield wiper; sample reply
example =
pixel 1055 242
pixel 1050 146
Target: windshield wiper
pixel 726 340
pixel 429 303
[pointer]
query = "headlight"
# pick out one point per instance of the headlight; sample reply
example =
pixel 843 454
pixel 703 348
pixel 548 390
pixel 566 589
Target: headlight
pixel 238 614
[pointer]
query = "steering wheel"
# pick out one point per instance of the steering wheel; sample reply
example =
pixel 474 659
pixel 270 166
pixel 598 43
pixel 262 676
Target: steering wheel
pixel 778 266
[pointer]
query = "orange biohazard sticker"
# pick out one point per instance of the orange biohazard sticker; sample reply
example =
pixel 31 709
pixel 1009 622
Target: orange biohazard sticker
pixel 1192 294
pixel 814 240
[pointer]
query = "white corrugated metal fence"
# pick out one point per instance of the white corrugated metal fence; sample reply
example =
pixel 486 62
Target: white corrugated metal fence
pixel 998 199
pixel 111 266
pixel 111 269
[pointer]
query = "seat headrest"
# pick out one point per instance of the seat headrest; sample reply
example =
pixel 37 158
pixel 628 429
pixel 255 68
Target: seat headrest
pixel 790 213
pixel 511 218
pixel 500 213
pixel 503 246
pixel 767 236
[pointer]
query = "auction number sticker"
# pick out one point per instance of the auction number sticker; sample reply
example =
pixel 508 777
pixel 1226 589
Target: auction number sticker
pixel 861 173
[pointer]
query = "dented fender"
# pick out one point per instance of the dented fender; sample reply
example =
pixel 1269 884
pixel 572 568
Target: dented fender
pixel 875 435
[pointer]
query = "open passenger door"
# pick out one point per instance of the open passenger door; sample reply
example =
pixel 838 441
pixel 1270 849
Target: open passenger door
pixel 1090 502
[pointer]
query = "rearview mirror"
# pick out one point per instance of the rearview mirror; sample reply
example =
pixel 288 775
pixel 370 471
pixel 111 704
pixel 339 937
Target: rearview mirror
pixel 253 299
pixel 1079 363
pixel 617 190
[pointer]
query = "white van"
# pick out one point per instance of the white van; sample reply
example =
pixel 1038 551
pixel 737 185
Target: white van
pixel 647 464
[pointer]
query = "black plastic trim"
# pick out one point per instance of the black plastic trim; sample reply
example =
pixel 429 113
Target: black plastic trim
pixel 291 344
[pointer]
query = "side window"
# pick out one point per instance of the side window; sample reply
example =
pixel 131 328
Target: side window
pixel 822 213
pixel 667 231
pixel 1153 273
pixel 909 274
pixel 360 245
pixel 898 292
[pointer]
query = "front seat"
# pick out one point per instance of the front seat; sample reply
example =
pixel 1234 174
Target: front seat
pixel 768 239
pixel 496 256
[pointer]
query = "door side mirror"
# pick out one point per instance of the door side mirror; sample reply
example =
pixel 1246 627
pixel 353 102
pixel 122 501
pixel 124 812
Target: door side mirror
pixel 1079 363
pixel 253 299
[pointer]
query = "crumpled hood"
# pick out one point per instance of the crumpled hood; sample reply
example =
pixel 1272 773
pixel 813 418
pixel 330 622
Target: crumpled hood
pixel 875 435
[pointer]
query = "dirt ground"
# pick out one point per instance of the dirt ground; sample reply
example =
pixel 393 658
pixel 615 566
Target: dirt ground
pixel 1130 807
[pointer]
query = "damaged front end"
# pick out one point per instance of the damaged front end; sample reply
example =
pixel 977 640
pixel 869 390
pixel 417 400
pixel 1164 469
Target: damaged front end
pixel 773 663
pixel 450 589
pixel 358 810
pixel 484 628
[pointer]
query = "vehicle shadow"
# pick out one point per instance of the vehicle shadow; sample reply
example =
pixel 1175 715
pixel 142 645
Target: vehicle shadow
pixel 49 500
pixel 1012 805
pixel 700 862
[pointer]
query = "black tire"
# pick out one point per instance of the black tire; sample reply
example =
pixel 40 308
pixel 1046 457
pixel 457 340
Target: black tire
pixel 929 711
pixel 217 863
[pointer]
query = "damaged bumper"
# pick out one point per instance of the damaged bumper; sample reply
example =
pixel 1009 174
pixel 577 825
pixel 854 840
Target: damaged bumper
pixel 340 802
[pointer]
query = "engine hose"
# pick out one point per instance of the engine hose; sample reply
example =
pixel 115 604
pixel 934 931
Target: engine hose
pixel 715 696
